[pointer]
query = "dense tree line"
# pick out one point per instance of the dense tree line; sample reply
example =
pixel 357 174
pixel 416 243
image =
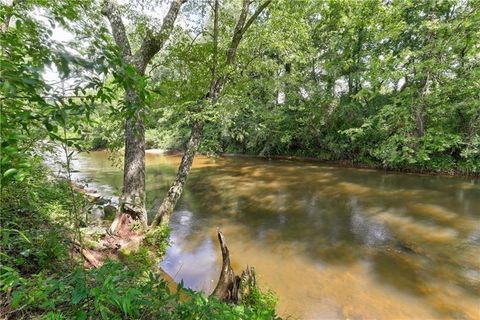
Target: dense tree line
pixel 387 83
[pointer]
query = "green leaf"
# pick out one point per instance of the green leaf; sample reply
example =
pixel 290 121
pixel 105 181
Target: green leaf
pixel 10 172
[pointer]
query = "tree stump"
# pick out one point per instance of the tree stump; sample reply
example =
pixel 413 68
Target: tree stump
pixel 230 287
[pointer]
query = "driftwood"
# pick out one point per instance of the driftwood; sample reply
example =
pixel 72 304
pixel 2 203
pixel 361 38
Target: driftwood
pixel 230 287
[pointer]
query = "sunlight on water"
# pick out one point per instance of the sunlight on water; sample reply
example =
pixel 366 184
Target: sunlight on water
pixel 333 243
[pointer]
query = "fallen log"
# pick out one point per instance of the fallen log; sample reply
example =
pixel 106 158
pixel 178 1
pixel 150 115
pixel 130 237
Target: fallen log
pixel 230 287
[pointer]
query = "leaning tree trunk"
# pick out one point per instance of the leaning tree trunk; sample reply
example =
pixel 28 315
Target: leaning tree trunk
pixel 230 287
pixel 216 86
pixel 166 208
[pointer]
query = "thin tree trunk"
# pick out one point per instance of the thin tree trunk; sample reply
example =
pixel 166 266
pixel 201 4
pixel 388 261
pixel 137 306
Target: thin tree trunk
pixel 217 85
pixel 166 208
pixel 419 109
pixel 420 121
pixel 7 17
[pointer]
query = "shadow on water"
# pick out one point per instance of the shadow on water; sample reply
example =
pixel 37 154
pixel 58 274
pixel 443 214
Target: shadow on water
pixel 358 243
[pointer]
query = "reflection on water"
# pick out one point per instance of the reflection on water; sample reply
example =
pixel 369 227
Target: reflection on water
pixel 333 243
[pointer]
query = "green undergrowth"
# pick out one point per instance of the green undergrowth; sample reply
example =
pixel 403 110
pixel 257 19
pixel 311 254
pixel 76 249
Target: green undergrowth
pixel 41 279
pixel 157 240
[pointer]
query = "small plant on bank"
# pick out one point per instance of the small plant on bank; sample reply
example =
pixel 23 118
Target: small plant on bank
pixel 158 239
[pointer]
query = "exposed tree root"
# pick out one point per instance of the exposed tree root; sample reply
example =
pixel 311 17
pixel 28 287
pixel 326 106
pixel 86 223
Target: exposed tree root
pixel 110 246
pixel 122 238
pixel 121 224
pixel 91 258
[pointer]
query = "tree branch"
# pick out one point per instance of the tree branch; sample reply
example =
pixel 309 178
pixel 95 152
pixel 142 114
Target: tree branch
pixel 215 45
pixel 155 40
pixel 110 10
pixel 238 32
pixel 255 15
pixel 242 27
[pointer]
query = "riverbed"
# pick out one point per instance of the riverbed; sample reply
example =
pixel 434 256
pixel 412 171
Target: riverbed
pixel 331 242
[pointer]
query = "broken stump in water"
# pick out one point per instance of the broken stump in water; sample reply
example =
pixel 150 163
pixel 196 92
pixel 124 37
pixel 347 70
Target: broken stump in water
pixel 230 287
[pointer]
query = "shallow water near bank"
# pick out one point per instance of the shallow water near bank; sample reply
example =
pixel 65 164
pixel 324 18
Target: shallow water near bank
pixel 331 242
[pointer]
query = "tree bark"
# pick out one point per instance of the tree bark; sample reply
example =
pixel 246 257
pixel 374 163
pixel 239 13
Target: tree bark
pixel 419 109
pixel 7 17
pixel 227 285
pixel 166 208
pixel 155 39
pixel 230 287
pixel 217 84
pixel 419 121
pixel 133 193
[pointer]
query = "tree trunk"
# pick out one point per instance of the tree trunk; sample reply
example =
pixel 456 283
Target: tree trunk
pixel 133 194
pixel 166 208
pixel 216 87
pixel 420 122
pixel 7 16
pixel 132 201
pixel 419 109
pixel 132 205
pixel 227 284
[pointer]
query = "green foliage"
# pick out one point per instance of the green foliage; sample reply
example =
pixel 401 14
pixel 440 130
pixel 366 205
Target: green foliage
pixel 387 83
pixel 32 108
pixel 390 84
pixel 28 243
pixel 262 303
pixel 39 278
pixel 140 260
pixel 158 239
pixel 165 138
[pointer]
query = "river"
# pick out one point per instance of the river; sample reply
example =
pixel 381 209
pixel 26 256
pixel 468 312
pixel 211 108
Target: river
pixel 331 242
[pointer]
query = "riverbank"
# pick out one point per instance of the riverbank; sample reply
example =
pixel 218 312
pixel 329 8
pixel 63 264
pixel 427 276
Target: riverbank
pixel 53 267
pixel 359 165
pixel 336 163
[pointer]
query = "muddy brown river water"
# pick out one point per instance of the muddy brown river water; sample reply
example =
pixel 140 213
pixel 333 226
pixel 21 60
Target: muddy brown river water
pixel 331 242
